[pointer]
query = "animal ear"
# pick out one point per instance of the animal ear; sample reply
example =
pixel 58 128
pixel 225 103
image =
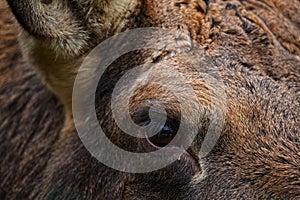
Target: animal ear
pixel 50 38
pixel 44 17
pixel 57 35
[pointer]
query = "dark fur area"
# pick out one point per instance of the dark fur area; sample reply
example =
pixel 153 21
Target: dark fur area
pixel 28 130
pixel 255 47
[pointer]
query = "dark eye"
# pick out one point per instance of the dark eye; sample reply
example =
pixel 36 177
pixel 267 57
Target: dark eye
pixel 164 136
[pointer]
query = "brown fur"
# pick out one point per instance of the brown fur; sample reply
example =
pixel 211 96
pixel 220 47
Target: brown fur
pixel 254 45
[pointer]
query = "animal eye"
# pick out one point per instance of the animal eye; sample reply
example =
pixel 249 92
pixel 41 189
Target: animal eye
pixel 164 136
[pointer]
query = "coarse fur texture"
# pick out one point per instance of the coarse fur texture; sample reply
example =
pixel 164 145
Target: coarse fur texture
pixel 253 44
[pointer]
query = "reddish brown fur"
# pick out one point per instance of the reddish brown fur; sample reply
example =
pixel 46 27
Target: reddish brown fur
pixel 255 46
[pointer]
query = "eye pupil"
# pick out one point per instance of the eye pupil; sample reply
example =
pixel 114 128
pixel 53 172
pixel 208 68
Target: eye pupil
pixel 165 132
pixel 163 137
